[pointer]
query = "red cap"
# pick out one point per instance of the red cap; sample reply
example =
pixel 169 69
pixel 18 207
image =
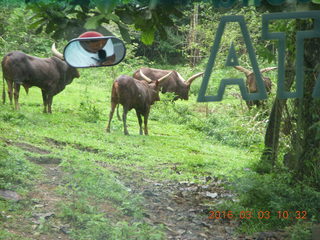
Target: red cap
pixel 90 34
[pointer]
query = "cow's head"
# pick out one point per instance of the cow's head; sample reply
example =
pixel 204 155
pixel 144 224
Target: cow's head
pixel 154 84
pixel 71 71
pixel 185 88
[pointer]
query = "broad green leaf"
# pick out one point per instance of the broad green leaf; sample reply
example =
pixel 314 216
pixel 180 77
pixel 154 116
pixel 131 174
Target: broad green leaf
pixel 126 15
pixel 147 37
pixel 36 24
pixel 93 22
pixel 124 32
pixel 106 6
pixel 112 17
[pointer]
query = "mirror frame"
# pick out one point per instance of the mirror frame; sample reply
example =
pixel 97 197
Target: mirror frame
pixel 95 38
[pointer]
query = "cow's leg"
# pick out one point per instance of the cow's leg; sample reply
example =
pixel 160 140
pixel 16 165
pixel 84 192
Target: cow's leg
pixel 49 102
pixel 140 122
pixel 45 100
pixel 10 90
pixel 113 106
pixel 124 119
pixel 16 95
pixel 146 115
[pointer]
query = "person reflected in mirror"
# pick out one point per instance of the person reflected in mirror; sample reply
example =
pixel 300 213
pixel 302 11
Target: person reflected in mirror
pixel 103 48
pixel 90 53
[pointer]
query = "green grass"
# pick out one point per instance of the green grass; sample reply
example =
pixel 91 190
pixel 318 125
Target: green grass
pixel 183 145
pixel 75 135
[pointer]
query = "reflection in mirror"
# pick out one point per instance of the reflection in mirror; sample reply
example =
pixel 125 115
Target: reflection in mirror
pixel 94 52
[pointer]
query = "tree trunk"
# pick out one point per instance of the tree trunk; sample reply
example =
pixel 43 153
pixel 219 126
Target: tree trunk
pixel 303 156
pixel 271 139
pixel 307 143
pixel 193 50
pixel 272 136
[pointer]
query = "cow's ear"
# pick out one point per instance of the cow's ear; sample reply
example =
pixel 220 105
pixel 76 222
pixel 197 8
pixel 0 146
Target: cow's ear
pixel 157 83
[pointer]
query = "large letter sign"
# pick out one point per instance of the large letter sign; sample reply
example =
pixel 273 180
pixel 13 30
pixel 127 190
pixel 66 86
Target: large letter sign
pixel 300 36
pixel 281 37
pixel 261 94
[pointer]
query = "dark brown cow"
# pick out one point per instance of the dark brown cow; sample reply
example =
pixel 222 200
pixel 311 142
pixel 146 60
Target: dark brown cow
pixel 175 82
pixel 252 84
pixel 50 74
pixel 133 93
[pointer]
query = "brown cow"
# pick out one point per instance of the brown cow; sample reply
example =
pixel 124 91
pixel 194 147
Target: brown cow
pixel 133 93
pixel 50 74
pixel 252 84
pixel 175 82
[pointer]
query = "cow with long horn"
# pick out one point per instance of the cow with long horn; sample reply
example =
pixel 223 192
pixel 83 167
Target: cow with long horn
pixel 252 84
pixel 175 83
pixel 132 93
pixel 51 75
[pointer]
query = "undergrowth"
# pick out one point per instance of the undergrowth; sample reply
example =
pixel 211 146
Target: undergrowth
pixel 122 216
pixel 275 201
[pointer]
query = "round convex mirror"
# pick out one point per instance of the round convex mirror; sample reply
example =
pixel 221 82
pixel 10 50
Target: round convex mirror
pixel 94 52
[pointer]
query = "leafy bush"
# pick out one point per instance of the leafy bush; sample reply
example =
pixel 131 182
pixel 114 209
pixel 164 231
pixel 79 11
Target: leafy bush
pixel 300 231
pixel 17 36
pixel 89 112
pixel 88 109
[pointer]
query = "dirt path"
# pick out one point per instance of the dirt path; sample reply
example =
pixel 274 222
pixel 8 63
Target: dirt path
pixel 46 200
pixel 183 208
pixel 41 222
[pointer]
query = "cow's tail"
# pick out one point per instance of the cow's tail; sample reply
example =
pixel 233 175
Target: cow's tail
pixel 115 97
pixel 117 93
pixel 118 115
pixel 3 89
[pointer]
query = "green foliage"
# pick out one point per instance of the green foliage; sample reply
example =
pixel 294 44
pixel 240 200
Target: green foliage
pixel 90 186
pixel 276 192
pixel 68 19
pixel 300 231
pixel 89 112
pixel 87 223
pixel 16 173
pixel 230 126
pixel 13 117
pixel 17 36
pixel 5 235
pixel 233 133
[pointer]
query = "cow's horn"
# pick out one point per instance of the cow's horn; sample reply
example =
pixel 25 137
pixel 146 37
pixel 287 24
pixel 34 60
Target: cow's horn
pixel 267 69
pixel 164 77
pixel 181 78
pixel 145 77
pixel 244 70
pixel 56 52
pixel 192 78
